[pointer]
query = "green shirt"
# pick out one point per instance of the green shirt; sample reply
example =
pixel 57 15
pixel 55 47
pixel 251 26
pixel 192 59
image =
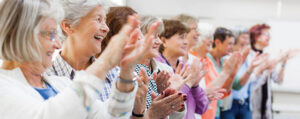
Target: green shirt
pixel 236 84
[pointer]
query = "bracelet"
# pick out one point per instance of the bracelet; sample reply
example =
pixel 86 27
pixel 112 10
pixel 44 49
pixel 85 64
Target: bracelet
pixel 137 115
pixel 127 81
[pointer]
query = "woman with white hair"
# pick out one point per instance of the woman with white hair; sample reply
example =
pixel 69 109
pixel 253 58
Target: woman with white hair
pixel 28 40
pixel 82 33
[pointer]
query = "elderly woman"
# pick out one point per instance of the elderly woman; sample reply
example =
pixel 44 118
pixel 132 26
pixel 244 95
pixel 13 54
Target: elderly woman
pixel 116 18
pixel 28 43
pixel 83 31
pixel 265 73
pixel 174 46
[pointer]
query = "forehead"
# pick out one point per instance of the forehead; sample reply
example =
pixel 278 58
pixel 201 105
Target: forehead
pixel 48 24
pixel 97 11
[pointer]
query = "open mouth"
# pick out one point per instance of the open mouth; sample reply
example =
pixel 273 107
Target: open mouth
pixel 98 37
pixel 49 54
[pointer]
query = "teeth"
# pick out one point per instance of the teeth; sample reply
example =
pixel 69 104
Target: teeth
pixel 98 37
pixel 49 54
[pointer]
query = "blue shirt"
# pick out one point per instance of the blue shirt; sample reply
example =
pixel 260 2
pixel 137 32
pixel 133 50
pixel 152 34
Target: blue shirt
pixel 244 92
pixel 46 92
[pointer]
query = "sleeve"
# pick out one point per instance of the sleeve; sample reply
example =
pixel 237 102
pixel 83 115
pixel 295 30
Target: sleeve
pixel 201 100
pixel 74 102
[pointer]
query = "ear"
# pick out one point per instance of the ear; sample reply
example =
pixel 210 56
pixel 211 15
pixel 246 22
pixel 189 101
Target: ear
pixel 66 27
pixel 163 41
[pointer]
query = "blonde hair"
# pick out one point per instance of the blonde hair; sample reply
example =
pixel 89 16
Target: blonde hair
pixel 19 23
pixel 186 19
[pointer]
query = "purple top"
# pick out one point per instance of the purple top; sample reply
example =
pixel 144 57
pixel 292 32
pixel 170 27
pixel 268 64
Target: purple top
pixel 197 101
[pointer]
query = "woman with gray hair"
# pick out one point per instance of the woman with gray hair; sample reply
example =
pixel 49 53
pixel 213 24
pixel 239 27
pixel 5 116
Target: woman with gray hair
pixel 82 33
pixel 27 43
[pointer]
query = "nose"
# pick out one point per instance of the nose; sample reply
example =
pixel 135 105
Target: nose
pixel 57 44
pixel 157 41
pixel 104 28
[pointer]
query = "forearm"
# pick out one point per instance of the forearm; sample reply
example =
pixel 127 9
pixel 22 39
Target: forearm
pixel 281 75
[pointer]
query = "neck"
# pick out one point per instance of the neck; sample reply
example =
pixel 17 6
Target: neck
pixel 259 47
pixel 216 55
pixel 74 57
pixel 172 59
pixel 31 72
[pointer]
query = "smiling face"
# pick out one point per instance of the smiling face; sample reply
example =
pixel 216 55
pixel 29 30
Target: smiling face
pixel 193 35
pixel 207 44
pixel 264 38
pixel 88 34
pixel 243 42
pixel 176 45
pixel 226 46
pixel 47 37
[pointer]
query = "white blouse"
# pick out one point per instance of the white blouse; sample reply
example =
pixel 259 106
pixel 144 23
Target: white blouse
pixel 77 99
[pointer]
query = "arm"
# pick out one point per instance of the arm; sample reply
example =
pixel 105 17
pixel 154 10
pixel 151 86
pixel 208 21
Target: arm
pixel 201 99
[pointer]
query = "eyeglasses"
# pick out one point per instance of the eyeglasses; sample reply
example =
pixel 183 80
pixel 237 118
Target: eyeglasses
pixel 49 35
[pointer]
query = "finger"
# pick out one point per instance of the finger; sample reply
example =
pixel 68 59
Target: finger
pixel 153 28
pixel 178 68
pixel 184 69
pixel 155 76
pixel 171 97
pixel 143 73
pixel 134 36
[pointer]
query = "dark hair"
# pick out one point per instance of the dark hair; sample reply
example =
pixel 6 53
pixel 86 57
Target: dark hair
pixel 115 19
pixel 255 32
pixel 172 27
pixel 221 34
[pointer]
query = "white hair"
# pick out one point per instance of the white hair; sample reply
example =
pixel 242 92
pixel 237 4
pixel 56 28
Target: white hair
pixel 147 21
pixel 19 23
pixel 206 31
pixel 76 9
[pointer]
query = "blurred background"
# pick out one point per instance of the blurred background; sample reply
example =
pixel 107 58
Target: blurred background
pixel 282 15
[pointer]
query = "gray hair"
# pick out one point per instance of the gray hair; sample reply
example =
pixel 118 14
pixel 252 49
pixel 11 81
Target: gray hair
pixel 239 30
pixel 206 31
pixel 147 21
pixel 19 23
pixel 76 9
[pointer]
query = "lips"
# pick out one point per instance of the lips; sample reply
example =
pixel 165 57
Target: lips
pixel 49 53
pixel 99 37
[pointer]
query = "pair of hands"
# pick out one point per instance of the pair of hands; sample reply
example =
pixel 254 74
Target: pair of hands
pixel 187 74
pixel 163 105
pixel 124 49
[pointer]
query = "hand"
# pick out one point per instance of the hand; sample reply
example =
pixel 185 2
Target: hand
pixel 197 73
pixel 258 60
pixel 164 105
pixel 106 60
pixel 135 50
pixel 178 79
pixel 141 95
pixel 162 81
pixel 245 54
pixel 215 93
pixel 233 63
